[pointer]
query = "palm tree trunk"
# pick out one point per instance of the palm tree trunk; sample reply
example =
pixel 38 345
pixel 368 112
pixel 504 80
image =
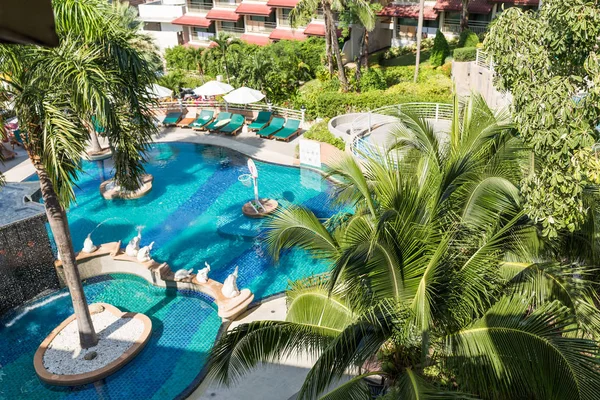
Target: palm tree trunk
pixel 464 18
pixel 365 52
pixel 419 37
pixel 336 48
pixel 328 51
pixel 57 219
pixel 96 148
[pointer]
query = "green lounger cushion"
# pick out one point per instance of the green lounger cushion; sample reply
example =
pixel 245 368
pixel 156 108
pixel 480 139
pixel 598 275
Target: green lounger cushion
pixel 204 118
pixel 275 125
pixel 261 120
pixel 221 117
pixel 172 118
pixel 237 121
pixel 290 128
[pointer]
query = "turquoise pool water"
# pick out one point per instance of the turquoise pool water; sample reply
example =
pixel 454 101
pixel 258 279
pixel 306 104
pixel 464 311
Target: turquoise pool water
pixel 193 214
pixel 185 325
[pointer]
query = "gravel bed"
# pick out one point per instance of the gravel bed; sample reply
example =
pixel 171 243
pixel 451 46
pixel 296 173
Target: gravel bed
pixel 65 356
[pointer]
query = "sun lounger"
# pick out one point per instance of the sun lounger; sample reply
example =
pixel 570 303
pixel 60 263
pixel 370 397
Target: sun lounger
pixel 172 118
pixel 185 123
pixel 261 121
pixel 219 121
pixel 236 123
pixel 275 125
pixel 6 153
pixel 204 119
pixel 290 129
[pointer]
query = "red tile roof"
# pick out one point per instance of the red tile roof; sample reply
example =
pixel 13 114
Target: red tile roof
pixel 475 6
pixel 534 3
pixel 315 29
pixel 255 39
pixel 283 3
pixel 191 20
pixel 223 15
pixel 408 11
pixel 287 34
pixel 254 9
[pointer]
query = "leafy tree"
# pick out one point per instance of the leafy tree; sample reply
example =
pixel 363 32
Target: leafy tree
pixel 222 51
pixel 440 50
pixel 553 73
pixel 421 290
pixel 181 57
pixel 98 72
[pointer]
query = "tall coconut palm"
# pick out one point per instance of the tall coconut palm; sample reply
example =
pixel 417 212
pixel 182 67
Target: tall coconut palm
pixel 419 38
pixel 423 280
pixel 329 8
pixel 95 71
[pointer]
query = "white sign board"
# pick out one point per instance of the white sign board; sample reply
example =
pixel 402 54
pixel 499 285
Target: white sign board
pixel 310 153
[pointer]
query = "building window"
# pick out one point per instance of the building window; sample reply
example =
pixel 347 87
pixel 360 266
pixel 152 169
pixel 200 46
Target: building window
pixel 203 34
pixel 201 5
pixel 152 26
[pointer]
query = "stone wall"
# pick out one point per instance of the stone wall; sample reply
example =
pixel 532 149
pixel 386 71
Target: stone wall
pixel 470 77
pixel 26 262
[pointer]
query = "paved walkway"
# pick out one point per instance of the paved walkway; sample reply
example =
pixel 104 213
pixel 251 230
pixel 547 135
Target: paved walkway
pixel 246 143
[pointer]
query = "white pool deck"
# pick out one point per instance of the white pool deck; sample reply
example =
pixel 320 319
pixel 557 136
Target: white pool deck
pixel 247 143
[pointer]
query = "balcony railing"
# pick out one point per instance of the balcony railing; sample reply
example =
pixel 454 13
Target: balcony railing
pixel 227 4
pixel 199 6
pixel 260 27
pixel 203 36
pixel 284 20
pixel 409 32
pixel 453 26
pixel 235 32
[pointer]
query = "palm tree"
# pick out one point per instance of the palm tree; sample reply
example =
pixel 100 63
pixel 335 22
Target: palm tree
pixel 423 289
pixel 332 46
pixel 419 38
pixel 95 71
pixel 221 51
pixel 464 17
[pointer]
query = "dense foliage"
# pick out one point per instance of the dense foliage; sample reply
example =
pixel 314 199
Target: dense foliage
pixel 438 280
pixel 440 50
pixel 468 38
pixel 548 60
pixel 465 54
pixel 278 69
pixel 323 99
pixel 320 132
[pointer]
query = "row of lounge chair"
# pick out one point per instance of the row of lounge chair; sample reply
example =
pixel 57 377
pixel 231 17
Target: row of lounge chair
pixel 225 122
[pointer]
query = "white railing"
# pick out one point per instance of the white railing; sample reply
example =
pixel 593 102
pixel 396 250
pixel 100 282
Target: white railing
pixel 260 27
pixel 453 26
pixel 364 124
pixel 484 60
pixel 235 32
pixel 282 111
pixel 226 4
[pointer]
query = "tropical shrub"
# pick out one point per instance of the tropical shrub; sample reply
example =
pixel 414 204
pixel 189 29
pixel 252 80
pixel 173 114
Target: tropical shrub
pixel 372 79
pixel 424 290
pixel 320 132
pixel 440 50
pixel 465 54
pixel 182 57
pixel 468 38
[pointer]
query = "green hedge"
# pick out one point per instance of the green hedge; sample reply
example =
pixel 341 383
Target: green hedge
pixel 465 54
pixel 329 104
pixel 320 133
pixel 468 38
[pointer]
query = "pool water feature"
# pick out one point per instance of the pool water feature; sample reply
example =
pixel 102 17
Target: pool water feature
pixel 185 325
pixel 193 214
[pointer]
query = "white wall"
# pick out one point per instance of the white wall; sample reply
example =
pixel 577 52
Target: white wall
pixel 157 11
pixel 163 39
pixel 469 77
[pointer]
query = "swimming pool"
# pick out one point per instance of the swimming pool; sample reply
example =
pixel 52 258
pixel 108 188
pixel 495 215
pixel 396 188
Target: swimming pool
pixel 184 327
pixel 193 213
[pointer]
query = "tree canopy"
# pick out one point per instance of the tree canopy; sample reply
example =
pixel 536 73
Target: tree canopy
pixel 548 61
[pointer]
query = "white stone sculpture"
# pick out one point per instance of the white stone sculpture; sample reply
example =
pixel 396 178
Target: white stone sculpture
pixel 183 273
pixel 133 247
pixel 88 245
pixel 230 288
pixel 202 275
pixel 143 254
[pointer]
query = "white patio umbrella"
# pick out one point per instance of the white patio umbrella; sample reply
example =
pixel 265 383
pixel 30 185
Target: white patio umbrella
pixel 160 91
pixel 244 95
pixel 213 88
